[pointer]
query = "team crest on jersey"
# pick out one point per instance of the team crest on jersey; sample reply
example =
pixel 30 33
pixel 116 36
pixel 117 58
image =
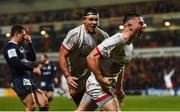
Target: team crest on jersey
pixel 24 60
pixel 22 50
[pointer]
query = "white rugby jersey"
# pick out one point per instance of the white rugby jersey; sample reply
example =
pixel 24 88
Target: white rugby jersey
pixel 116 54
pixel 81 43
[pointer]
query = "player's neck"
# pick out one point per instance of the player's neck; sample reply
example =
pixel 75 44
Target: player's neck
pixel 127 36
pixel 13 39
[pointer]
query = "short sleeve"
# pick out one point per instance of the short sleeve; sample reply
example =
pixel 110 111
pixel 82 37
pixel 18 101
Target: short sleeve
pixel 70 40
pixel 108 44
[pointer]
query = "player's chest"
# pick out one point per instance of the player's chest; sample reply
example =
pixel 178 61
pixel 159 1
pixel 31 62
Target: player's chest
pixel 122 54
pixel 22 54
pixel 47 68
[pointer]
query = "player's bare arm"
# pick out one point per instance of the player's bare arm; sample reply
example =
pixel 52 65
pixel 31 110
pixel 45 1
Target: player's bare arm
pixel 63 54
pixel 119 86
pixel 37 71
pixel 93 60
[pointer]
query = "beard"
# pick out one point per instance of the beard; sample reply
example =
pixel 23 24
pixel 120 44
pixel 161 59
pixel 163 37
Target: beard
pixel 138 34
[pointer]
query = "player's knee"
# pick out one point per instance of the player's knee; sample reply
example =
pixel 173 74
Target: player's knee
pixel 44 103
pixel 31 107
pixel 111 105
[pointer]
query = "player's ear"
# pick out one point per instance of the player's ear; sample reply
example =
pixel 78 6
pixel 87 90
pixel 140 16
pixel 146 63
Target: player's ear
pixel 84 18
pixel 130 26
pixel 17 34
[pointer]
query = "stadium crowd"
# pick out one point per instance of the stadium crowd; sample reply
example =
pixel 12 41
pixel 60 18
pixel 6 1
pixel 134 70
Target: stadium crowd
pixel 150 7
pixel 148 73
pixel 150 39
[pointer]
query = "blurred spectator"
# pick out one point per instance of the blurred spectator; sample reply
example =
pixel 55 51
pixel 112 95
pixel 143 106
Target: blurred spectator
pixel 149 7
pixel 46 43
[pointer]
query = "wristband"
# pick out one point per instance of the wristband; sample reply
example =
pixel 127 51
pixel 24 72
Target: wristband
pixel 67 76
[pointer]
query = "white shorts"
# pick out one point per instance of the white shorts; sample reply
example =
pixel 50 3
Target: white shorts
pixel 94 92
pixel 81 86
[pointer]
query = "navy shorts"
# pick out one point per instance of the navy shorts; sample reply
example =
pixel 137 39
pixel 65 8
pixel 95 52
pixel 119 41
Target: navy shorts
pixel 47 88
pixel 20 89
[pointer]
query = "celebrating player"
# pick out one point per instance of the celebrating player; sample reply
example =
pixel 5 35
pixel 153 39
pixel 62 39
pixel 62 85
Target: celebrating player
pixel 76 46
pixel 107 62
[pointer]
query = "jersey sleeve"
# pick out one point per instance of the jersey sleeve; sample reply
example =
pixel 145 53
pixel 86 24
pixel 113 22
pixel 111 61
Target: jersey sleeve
pixel 108 44
pixel 12 56
pixel 30 52
pixel 70 41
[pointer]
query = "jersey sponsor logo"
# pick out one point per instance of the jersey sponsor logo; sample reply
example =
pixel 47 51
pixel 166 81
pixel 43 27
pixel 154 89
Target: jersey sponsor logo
pixel 26 82
pixel 12 53
pixel 43 84
pixel 46 73
pixel 22 50
pixel 24 60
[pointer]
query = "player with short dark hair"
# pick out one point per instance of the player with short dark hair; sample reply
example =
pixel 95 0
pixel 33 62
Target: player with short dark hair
pixel 18 54
pixel 73 51
pixel 107 62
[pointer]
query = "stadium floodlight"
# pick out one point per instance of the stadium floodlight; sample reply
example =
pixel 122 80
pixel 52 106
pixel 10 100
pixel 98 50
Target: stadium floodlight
pixel 121 27
pixel 43 32
pixel 167 23
pixel 8 34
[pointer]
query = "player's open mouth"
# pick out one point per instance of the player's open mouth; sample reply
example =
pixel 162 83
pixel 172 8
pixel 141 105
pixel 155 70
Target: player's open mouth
pixel 93 27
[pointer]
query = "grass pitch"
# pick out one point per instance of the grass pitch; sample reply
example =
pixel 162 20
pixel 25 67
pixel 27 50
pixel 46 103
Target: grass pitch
pixel 131 103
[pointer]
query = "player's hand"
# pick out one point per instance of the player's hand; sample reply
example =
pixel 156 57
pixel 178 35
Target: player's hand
pixel 72 81
pixel 28 38
pixel 40 66
pixel 37 71
pixel 120 95
pixel 56 81
pixel 106 81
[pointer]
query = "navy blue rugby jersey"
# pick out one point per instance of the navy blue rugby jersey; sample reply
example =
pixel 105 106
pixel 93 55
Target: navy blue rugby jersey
pixel 48 72
pixel 19 59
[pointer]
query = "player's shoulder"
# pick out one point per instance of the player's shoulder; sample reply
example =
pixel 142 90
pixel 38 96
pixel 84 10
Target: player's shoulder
pixel 118 35
pixel 10 49
pixel 75 31
pixel 119 38
pixel 114 40
pixel 72 36
pixel 11 45
pixel 115 36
